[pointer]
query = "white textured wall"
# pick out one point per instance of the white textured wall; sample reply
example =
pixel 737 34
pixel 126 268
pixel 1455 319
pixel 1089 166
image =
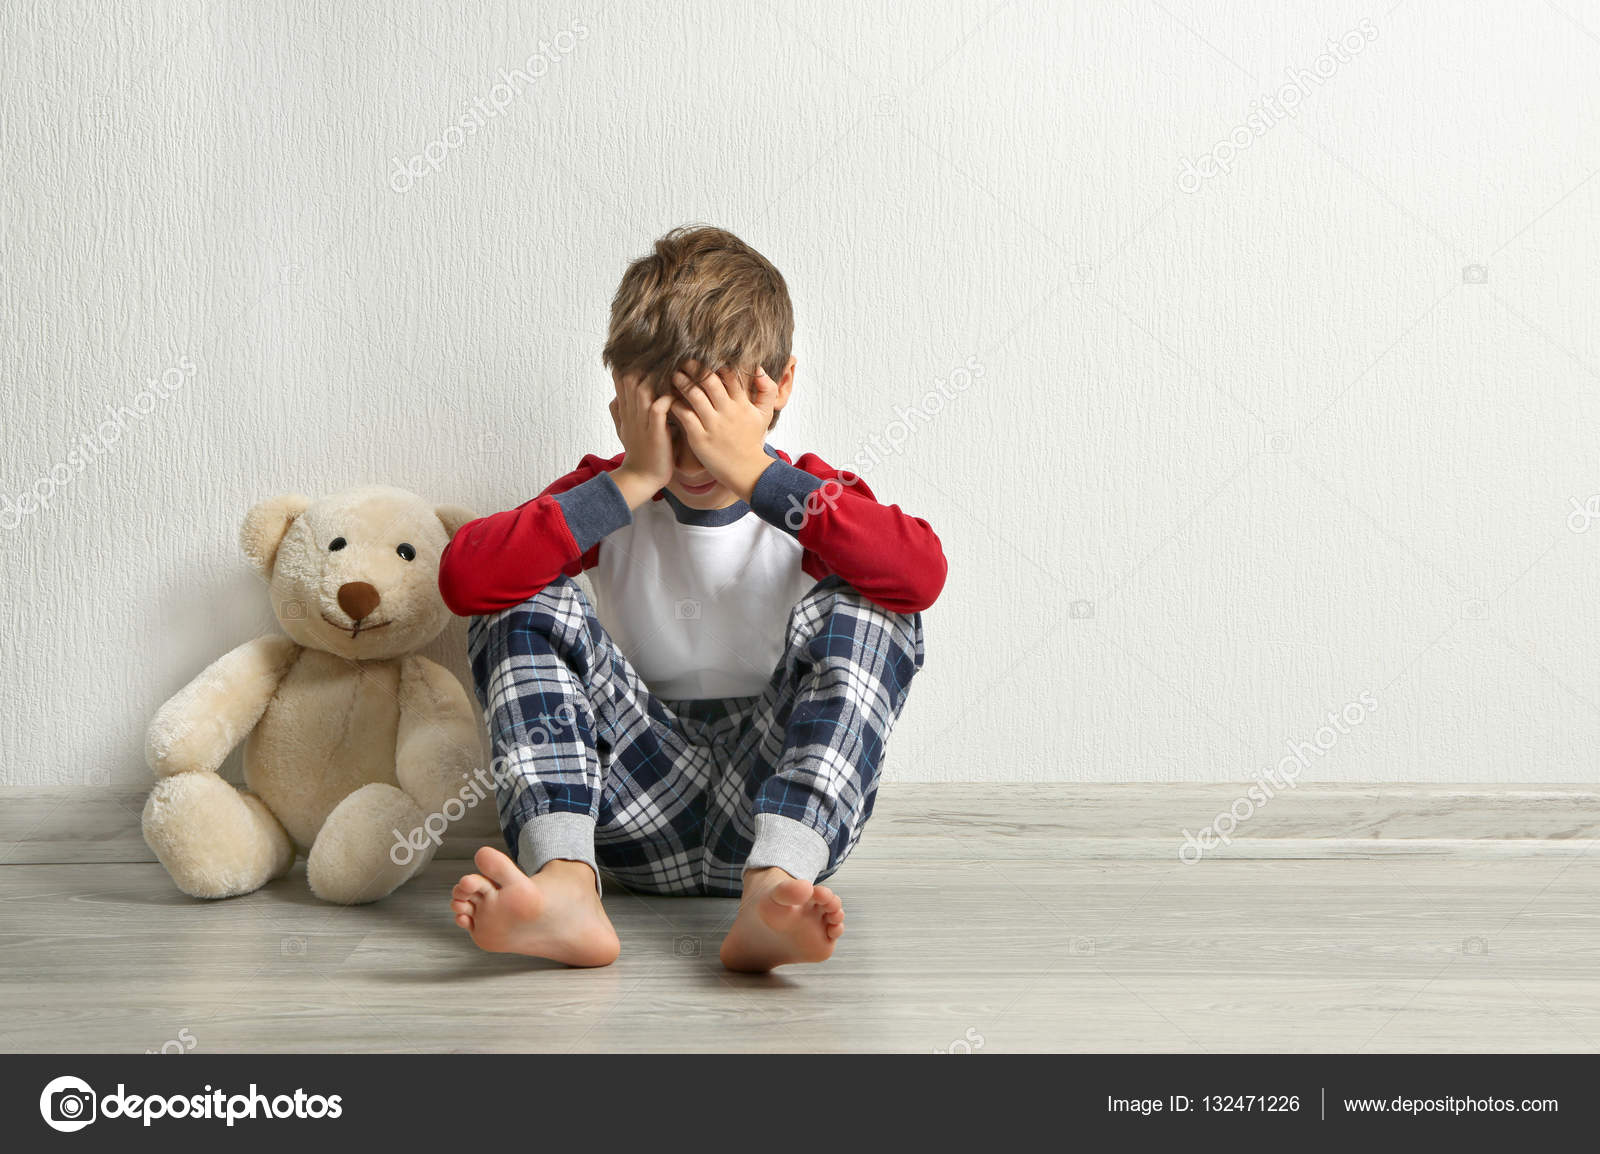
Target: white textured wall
pixel 1266 434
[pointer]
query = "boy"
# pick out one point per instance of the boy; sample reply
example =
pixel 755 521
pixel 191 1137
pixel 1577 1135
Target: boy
pixel 714 724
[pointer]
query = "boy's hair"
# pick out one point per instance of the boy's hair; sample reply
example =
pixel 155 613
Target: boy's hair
pixel 702 294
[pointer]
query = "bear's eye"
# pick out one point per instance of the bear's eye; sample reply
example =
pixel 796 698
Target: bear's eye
pixel 407 553
pixel 336 544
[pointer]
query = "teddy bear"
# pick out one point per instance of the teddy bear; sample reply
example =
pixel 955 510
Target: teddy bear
pixel 352 740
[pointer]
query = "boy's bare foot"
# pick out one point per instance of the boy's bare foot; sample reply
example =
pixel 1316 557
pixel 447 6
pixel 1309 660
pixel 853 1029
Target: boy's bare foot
pixel 555 914
pixel 782 920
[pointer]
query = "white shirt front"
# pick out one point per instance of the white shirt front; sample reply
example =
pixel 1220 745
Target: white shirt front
pixel 699 601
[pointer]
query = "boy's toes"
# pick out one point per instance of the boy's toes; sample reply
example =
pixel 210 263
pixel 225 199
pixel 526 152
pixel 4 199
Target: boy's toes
pixel 465 906
pixel 465 899
pixel 498 868
pixel 791 892
pixel 832 910
pixel 793 921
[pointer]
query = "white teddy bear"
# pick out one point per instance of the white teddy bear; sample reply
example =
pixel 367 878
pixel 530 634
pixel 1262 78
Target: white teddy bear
pixel 351 737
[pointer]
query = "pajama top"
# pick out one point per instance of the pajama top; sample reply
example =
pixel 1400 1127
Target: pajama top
pixel 698 599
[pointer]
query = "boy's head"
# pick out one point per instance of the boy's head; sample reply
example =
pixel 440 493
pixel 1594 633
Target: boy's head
pixel 702 295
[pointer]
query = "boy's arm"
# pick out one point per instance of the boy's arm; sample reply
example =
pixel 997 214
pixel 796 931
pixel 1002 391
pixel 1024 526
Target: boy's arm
pixel 501 560
pixel 892 558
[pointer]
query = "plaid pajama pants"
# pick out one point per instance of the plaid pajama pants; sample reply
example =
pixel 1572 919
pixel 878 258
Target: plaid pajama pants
pixel 681 797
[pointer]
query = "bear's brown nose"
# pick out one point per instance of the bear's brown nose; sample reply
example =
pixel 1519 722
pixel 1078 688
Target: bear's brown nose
pixel 358 599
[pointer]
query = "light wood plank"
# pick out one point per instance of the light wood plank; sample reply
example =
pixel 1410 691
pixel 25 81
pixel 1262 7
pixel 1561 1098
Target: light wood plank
pixel 1025 953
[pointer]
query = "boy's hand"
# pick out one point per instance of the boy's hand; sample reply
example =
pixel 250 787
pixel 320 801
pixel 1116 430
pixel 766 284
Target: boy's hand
pixel 641 421
pixel 725 427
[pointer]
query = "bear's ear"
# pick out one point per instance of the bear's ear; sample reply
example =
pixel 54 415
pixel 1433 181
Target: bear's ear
pixel 265 526
pixel 453 517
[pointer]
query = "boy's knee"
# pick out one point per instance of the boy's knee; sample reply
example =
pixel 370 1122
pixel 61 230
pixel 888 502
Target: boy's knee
pixel 557 613
pixel 837 622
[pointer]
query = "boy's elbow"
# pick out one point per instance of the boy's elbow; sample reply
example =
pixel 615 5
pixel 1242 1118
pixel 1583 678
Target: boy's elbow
pixel 928 585
pixel 457 604
pixel 918 587
pixel 931 574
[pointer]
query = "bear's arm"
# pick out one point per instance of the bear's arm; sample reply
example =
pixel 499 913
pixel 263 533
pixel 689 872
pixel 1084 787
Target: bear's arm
pixel 204 720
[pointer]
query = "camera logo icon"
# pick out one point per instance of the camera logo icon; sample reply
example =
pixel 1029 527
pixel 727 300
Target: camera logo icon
pixel 67 1104
pixel 686 610
pixel 686 946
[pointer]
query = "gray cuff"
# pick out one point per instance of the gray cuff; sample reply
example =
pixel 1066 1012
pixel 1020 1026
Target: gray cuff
pixel 559 836
pixel 779 497
pixel 594 510
pixel 792 846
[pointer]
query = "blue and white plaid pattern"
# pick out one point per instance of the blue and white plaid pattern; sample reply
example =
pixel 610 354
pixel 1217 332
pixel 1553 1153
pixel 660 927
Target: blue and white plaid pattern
pixel 674 787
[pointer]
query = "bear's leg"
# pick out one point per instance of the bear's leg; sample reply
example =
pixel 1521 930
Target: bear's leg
pixel 365 849
pixel 215 841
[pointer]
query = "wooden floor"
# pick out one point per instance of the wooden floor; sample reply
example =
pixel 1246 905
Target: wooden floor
pixel 1001 954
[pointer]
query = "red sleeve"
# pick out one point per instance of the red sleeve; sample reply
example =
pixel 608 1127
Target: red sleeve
pixel 893 558
pixel 501 560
